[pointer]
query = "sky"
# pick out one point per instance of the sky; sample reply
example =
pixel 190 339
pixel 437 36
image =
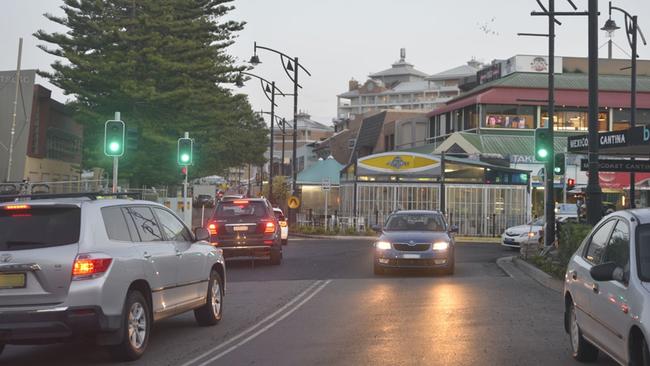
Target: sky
pixel 341 39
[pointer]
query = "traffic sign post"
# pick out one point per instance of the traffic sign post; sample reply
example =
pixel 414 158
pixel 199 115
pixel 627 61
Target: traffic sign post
pixel 185 159
pixel 293 202
pixel 327 185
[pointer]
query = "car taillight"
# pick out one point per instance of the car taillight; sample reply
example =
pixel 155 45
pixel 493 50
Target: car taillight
pixel 88 266
pixel 17 207
pixel 283 223
pixel 213 228
pixel 269 228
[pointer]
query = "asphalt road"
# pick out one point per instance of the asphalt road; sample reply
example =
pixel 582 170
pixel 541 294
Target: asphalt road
pixel 323 306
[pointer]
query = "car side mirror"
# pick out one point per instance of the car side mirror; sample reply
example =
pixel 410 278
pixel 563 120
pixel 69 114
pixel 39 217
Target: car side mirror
pixel 607 272
pixel 376 228
pixel 453 229
pixel 201 234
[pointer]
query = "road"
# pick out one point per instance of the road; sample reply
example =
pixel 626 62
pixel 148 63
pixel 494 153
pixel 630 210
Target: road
pixel 323 306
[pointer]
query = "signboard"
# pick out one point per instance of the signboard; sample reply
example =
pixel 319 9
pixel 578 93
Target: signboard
pixel 489 73
pixel 529 63
pixel 398 163
pixel 605 140
pixel 618 165
pixel 293 202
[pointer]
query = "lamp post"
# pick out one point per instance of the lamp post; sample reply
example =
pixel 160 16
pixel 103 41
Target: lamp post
pixel 269 88
pixel 289 64
pixel 632 30
pixel 282 123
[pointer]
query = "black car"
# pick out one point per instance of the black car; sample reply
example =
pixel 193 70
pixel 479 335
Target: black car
pixel 246 228
pixel 415 239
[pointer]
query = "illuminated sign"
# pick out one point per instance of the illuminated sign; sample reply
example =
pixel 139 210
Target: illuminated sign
pixel 402 163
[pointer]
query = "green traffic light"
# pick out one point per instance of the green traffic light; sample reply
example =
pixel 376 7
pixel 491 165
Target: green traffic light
pixel 542 153
pixel 114 146
pixel 523 176
pixel 557 170
pixel 185 158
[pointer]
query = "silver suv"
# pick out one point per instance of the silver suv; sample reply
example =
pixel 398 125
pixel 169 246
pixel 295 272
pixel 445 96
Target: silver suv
pixel 607 290
pixel 106 268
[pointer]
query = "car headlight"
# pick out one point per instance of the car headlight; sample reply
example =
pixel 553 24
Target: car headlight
pixel 382 245
pixel 441 245
pixel 531 234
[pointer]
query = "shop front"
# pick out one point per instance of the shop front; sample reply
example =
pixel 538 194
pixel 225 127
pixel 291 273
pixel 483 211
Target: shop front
pixel 481 198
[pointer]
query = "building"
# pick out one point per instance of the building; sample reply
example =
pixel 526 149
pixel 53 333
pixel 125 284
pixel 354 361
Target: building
pixel 402 86
pixel 48 141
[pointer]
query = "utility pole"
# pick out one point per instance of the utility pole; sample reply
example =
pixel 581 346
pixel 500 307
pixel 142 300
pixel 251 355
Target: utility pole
pixel 13 121
pixel 116 160
pixel 593 191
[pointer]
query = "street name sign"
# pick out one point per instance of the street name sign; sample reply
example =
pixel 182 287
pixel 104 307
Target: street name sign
pixel 618 165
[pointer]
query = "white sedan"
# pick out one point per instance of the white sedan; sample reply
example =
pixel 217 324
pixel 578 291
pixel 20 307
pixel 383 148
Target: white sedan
pixel 284 226
pixel 514 236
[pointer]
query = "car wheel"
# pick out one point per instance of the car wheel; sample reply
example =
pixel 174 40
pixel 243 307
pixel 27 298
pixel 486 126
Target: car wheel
pixel 136 327
pixel 583 351
pixel 210 313
pixel 276 257
pixel 377 269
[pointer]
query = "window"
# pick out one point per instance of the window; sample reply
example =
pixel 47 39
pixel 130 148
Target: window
pixel 351 143
pixel 115 224
pixel 574 120
pixel 145 223
pixel 622 118
pixel 509 116
pixel 54 226
pixel 243 208
pixel 174 229
pixel 643 252
pixel 618 249
pixel 598 240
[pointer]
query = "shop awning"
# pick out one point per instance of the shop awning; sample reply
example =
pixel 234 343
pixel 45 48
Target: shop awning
pixel 322 171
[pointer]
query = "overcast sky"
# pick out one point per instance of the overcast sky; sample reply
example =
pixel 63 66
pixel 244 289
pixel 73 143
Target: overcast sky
pixel 340 39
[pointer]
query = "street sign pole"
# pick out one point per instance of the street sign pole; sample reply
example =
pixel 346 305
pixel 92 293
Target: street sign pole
pixel 116 159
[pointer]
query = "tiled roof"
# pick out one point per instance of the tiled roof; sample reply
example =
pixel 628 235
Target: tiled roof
pixel 322 170
pixel 399 68
pixel 455 73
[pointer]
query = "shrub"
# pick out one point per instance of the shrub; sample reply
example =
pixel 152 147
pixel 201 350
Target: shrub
pixel 571 236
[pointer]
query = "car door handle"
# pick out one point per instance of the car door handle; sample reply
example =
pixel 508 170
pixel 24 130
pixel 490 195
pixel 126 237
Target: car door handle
pixel 595 288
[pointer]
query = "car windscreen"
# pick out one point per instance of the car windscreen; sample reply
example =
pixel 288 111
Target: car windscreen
pixel 23 227
pixel 232 209
pixel 416 222
pixel 643 251
pixel 537 222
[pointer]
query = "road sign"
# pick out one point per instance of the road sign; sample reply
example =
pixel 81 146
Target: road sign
pixel 618 165
pixel 293 202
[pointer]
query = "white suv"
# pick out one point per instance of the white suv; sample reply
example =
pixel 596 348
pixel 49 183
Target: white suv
pixel 106 268
pixel 607 290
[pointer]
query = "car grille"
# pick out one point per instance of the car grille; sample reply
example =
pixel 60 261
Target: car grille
pixel 512 234
pixel 412 262
pixel 411 248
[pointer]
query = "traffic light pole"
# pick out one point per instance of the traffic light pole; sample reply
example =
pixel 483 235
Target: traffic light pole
pixel 187 213
pixel 116 159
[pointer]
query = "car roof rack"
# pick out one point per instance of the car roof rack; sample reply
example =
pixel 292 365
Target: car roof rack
pixel 90 195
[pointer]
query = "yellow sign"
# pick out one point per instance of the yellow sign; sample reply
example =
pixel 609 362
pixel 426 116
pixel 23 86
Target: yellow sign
pixel 396 162
pixel 293 202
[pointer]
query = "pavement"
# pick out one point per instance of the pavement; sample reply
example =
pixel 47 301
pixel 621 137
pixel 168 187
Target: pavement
pixel 324 306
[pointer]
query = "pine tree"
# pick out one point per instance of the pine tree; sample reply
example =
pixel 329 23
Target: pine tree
pixel 164 65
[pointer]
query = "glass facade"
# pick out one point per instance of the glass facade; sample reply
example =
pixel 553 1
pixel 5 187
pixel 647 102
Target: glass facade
pixel 509 116
pixel 622 117
pixel 574 119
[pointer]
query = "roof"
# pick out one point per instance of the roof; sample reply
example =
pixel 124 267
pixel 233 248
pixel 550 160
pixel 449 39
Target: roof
pixel 454 73
pixel 505 145
pixel 306 123
pixel 370 129
pixel 399 68
pixel 320 172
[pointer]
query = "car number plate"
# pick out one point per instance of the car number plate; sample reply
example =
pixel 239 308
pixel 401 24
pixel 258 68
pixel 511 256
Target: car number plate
pixel 12 280
pixel 240 228
pixel 411 256
pixel 506 240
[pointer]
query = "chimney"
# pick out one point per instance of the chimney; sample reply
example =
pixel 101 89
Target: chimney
pixel 402 54
pixel 353 85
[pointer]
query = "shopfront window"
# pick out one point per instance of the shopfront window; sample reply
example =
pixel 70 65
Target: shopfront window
pixel 574 119
pixel 622 118
pixel 509 116
pixel 470 118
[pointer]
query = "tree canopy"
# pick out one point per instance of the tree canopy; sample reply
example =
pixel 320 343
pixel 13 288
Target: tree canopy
pixel 164 65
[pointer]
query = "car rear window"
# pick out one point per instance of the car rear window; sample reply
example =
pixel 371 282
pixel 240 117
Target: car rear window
pixel 242 208
pixel 23 228
pixel 279 215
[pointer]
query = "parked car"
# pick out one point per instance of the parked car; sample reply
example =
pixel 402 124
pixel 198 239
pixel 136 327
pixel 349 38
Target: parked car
pixel 246 227
pixel 284 225
pixel 607 290
pixel 531 232
pixel 415 239
pixel 204 200
pixel 106 268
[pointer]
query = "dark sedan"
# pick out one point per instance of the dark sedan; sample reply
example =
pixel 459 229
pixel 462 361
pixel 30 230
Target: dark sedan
pixel 415 239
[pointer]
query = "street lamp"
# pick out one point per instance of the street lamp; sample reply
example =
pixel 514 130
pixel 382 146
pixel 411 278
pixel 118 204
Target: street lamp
pixel 269 88
pixel 289 64
pixel 631 30
pixel 610 27
pixel 282 123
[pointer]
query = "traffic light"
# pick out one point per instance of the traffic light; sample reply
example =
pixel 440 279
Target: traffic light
pixel 114 138
pixel 559 164
pixel 543 144
pixel 185 146
pixel 570 184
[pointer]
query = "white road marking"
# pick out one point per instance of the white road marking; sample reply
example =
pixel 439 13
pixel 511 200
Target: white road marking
pixel 257 325
pixel 267 327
